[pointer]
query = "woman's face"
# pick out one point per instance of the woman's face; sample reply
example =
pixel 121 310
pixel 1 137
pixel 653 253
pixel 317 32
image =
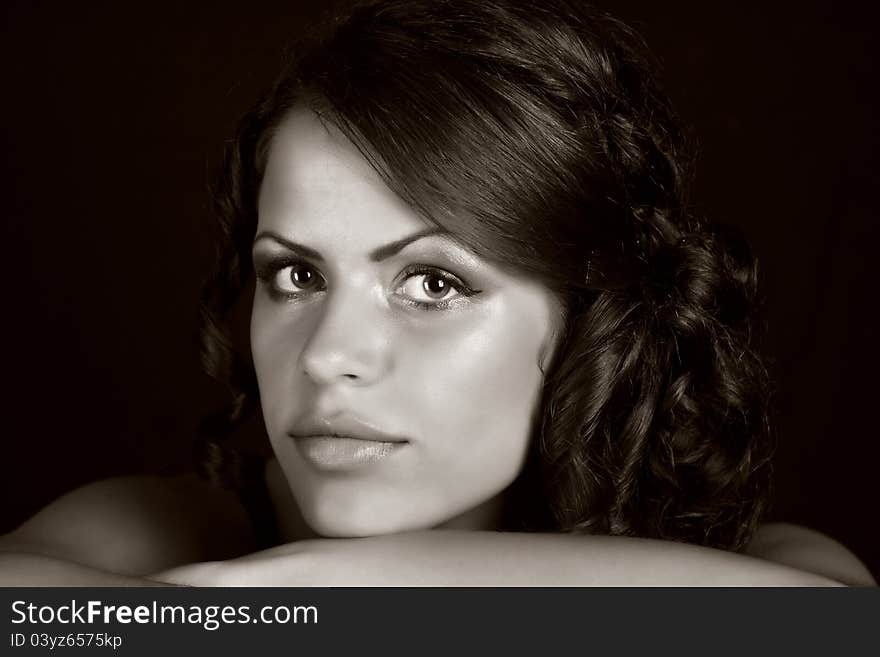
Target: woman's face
pixel 399 373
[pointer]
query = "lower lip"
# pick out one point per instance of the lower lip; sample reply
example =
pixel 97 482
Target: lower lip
pixel 339 453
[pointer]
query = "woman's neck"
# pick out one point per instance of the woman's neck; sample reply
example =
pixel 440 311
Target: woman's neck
pixel 486 516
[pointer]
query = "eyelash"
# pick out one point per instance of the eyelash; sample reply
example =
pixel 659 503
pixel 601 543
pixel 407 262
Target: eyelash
pixel 266 272
pixel 463 289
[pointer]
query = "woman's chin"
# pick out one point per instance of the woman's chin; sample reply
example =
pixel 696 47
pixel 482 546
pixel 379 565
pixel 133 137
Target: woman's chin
pixel 358 517
pixel 358 527
pixel 358 520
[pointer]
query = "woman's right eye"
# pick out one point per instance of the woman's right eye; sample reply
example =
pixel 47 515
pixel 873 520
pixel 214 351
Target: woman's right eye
pixel 294 279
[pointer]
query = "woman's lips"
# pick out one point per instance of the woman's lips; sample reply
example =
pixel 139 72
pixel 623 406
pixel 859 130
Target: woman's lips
pixel 343 441
pixel 329 452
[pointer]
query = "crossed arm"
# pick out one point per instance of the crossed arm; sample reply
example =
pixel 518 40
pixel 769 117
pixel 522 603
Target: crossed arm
pixel 465 558
pixel 125 548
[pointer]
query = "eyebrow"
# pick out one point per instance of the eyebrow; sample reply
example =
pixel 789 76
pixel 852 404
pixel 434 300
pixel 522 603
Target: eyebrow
pixel 376 255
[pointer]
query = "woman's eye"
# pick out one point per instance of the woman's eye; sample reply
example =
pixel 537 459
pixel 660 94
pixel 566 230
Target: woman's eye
pixel 294 279
pixel 427 287
pixel 431 287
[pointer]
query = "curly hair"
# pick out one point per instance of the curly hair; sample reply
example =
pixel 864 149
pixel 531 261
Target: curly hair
pixel 538 135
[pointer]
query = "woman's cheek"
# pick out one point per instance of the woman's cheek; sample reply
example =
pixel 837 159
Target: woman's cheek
pixel 276 341
pixel 476 385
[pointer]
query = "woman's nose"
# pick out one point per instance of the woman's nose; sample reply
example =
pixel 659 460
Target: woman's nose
pixel 349 341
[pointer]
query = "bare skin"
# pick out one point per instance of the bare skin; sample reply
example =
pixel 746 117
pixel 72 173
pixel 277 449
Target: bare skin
pixel 343 326
pixel 369 322
pixel 155 531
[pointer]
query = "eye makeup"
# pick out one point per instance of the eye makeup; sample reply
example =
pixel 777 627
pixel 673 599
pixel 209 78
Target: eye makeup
pixel 270 267
pixel 427 258
pixel 446 278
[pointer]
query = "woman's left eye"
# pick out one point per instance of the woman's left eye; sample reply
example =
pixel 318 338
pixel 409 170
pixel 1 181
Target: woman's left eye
pixel 430 287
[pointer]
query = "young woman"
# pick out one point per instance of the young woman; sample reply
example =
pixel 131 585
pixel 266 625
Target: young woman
pixel 490 343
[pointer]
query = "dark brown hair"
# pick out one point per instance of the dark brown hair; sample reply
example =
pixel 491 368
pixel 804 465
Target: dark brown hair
pixel 537 133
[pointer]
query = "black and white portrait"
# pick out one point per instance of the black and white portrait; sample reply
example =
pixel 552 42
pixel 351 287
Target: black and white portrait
pixel 439 292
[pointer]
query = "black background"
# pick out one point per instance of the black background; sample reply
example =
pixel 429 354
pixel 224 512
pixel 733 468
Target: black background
pixel 114 114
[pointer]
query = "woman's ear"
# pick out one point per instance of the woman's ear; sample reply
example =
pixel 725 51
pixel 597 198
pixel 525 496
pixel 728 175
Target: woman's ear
pixel 553 341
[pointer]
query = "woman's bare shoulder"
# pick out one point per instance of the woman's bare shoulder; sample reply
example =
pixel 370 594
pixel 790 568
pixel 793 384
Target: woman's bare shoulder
pixel 137 525
pixel 810 551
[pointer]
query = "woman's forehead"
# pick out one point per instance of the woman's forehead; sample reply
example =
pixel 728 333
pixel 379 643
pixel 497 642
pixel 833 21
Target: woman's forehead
pixel 316 178
pixel 307 154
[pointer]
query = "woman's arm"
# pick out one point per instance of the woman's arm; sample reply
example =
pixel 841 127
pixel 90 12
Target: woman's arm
pixel 23 569
pixel 114 532
pixel 461 558
pixel 810 551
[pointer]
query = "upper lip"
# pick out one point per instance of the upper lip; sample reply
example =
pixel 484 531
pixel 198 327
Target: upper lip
pixel 345 426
